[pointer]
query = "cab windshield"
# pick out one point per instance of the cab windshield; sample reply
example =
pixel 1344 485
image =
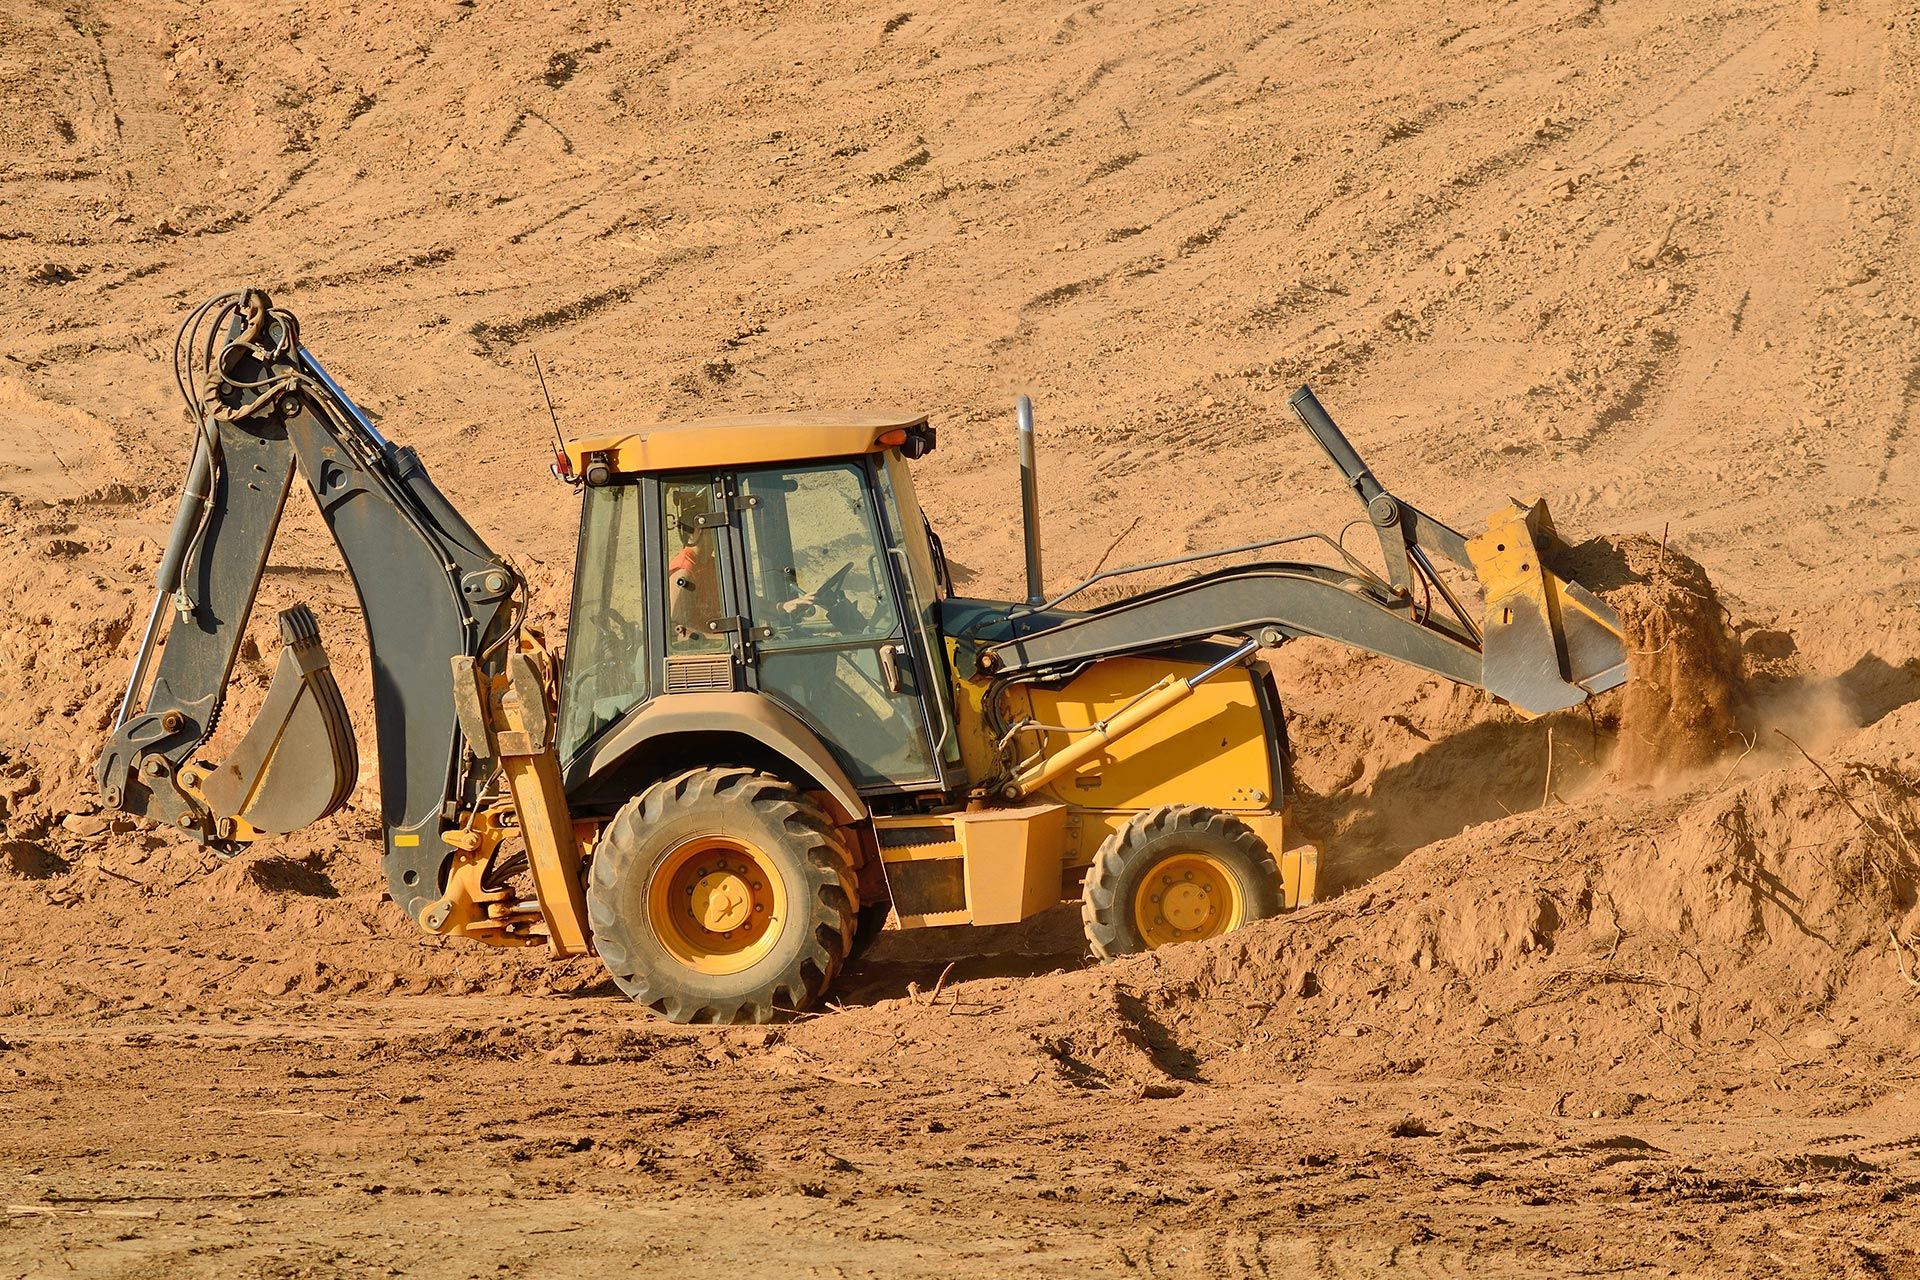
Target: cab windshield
pixel 605 673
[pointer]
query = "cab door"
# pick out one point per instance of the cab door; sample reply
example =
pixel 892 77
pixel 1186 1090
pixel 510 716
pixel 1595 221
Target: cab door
pixel 829 636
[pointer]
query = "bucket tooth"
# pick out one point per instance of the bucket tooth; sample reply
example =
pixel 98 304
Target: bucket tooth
pixel 298 762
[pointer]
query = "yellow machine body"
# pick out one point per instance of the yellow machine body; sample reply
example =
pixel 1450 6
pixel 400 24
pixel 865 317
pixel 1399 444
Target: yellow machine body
pixel 979 866
pixel 988 866
pixel 1210 749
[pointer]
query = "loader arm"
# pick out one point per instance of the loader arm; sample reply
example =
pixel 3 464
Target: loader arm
pixel 429 587
pixel 1542 643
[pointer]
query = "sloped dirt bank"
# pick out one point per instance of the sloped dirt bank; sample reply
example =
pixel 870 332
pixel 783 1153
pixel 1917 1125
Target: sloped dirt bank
pixel 1628 936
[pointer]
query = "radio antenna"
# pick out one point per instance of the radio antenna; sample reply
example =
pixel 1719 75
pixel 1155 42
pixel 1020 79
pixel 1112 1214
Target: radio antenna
pixel 559 443
pixel 562 469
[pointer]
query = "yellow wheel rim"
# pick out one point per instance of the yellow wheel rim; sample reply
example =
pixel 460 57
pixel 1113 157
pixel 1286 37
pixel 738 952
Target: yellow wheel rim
pixel 1185 897
pixel 717 904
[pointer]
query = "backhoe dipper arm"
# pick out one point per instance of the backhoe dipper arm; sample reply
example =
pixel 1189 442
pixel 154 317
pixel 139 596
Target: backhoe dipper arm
pixel 429 588
pixel 1406 532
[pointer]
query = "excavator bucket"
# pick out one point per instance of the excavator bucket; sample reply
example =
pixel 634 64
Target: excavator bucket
pixel 298 762
pixel 1547 644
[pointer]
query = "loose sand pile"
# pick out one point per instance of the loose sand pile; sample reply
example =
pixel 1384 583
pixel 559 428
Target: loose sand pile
pixel 1685 703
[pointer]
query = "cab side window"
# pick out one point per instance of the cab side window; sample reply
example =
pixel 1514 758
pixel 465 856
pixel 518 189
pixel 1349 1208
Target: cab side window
pixel 605 671
pixel 694 599
pixel 814 566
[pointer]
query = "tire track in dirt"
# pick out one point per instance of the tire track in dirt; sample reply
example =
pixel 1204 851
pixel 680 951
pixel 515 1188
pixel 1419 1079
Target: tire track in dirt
pixel 1804 207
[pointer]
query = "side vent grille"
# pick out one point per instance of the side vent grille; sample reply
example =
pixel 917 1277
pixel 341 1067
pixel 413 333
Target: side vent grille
pixel 701 674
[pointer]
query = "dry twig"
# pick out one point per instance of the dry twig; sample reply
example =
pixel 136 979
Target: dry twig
pixel 1901 950
pixel 1546 792
pixel 1737 763
pixel 1887 831
pixel 1101 563
pixel 933 997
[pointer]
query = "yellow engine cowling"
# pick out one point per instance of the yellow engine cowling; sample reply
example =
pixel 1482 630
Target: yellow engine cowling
pixel 1213 748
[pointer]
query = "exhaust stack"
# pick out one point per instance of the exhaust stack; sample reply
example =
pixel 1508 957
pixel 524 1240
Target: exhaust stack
pixel 1030 502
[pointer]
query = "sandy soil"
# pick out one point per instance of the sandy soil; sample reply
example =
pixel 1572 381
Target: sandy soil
pixel 1653 261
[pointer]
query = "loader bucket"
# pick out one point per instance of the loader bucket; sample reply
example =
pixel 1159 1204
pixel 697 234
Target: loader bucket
pixel 298 762
pixel 1547 644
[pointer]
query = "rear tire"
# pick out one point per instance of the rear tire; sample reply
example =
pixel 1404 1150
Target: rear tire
pixel 722 895
pixel 1178 873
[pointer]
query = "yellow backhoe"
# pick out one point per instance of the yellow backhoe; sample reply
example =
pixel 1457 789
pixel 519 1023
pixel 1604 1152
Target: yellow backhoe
pixel 776 728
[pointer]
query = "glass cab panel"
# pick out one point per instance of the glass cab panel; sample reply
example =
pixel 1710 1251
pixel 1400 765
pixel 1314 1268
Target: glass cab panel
pixel 827 623
pixel 605 673
pixel 909 541
pixel 693 517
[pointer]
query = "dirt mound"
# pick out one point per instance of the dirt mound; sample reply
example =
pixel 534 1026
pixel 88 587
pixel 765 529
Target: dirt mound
pixel 1388 758
pixel 124 923
pixel 1621 939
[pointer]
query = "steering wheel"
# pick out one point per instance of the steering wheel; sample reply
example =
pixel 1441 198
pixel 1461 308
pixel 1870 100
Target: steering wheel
pixel 615 632
pixel 828 600
pixel 614 648
pixel 833 592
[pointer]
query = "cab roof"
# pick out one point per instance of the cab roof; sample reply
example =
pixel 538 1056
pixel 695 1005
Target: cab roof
pixel 748 440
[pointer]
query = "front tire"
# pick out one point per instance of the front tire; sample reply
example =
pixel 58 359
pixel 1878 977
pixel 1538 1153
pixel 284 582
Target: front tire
pixel 1178 873
pixel 722 895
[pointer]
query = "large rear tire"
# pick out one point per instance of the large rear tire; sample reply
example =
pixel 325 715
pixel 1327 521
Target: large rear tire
pixel 722 895
pixel 1178 873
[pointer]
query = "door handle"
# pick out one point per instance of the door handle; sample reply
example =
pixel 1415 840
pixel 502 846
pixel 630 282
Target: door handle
pixel 890 655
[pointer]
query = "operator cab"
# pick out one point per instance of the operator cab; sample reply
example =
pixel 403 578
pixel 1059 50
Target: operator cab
pixel 783 555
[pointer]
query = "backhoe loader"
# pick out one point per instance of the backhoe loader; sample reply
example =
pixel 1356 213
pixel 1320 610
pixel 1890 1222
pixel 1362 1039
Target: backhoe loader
pixel 776 728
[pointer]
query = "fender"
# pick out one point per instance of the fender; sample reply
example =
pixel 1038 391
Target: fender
pixel 739 714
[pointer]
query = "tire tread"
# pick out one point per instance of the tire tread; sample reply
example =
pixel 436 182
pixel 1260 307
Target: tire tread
pixel 1108 921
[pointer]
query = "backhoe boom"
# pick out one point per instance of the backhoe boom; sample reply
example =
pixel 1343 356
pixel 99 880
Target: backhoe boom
pixel 429 587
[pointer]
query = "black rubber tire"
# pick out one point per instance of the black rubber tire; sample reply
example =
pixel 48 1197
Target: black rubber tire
pixel 1131 853
pixel 816 870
